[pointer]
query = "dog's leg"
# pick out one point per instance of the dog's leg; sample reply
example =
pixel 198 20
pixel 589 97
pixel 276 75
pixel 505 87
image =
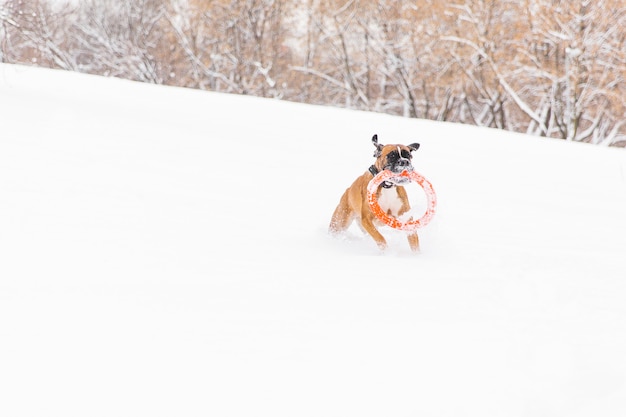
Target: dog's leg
pixel 368 226
pixel 414 241
pixel 342 217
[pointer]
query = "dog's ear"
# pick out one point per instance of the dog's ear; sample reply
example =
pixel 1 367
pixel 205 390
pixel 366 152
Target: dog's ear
pixel 414 146
pixel 379 147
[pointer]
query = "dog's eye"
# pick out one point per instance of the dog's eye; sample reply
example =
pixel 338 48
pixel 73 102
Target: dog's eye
pixel 406 154
pixel 393 156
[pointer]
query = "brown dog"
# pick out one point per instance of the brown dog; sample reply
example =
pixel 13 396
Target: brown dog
pixel 392 197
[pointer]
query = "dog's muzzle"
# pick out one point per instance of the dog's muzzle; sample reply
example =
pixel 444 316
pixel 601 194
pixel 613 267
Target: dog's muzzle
pixel 402 164
pixel 398 168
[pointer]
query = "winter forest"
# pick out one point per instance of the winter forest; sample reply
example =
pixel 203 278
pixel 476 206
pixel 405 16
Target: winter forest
pixel 543 67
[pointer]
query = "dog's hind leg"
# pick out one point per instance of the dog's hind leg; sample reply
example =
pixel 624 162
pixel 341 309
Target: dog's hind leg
pixel 340 223
pixel 414 241
pixel 342 217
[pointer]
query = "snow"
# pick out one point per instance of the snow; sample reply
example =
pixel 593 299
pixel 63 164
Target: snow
pixel 164 252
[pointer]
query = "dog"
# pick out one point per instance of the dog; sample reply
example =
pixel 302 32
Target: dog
pixel 392 196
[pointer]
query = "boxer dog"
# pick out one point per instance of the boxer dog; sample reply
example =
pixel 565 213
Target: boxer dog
pixel 392 196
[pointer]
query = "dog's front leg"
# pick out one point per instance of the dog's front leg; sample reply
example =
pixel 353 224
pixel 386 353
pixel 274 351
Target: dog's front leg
pixel 368 225
pixel 412 237
pixel 414 241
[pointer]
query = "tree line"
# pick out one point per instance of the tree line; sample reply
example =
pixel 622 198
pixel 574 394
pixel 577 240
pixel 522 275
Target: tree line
pixel 544 67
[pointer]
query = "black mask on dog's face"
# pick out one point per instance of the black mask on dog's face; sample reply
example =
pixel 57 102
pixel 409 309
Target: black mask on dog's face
pixel 395 158
pixel 398 160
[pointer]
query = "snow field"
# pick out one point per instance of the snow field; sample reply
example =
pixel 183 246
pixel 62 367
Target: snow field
pixel 164 252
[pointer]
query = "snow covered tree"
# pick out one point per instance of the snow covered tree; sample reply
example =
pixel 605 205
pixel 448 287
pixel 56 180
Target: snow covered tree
pixel 334 58
pixel 234 46
pixel 120 38
pixel 559 62
pixel 545 67
pixel 592 48
pixel 33 32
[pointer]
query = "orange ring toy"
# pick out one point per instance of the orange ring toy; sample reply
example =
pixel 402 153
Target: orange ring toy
pixel 411 225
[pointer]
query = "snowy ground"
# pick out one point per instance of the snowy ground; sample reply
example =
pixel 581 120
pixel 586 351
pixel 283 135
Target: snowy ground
pixel 163 252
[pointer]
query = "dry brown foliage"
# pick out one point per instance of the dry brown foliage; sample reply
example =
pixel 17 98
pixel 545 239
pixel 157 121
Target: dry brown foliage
pixel 544 67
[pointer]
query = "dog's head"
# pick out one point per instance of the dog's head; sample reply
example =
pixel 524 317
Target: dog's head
pixel 395 158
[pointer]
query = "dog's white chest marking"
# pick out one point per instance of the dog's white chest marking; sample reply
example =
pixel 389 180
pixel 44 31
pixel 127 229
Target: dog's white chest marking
pixel 389 201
